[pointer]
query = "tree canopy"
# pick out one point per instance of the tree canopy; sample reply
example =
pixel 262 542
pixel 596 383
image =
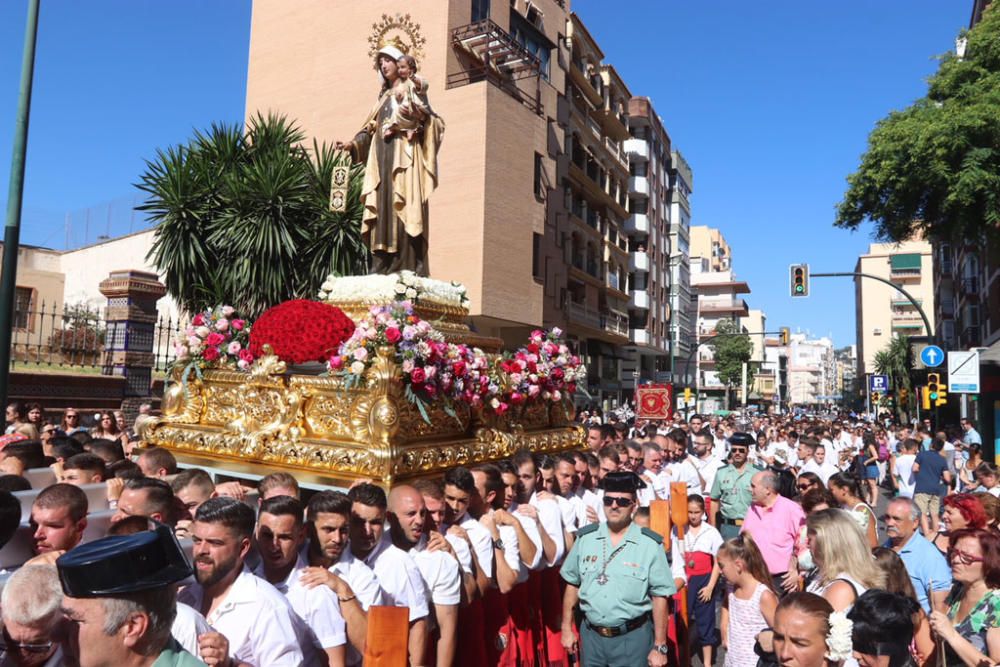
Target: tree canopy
pixel 934 167
pixel 245 218
pixel 730 353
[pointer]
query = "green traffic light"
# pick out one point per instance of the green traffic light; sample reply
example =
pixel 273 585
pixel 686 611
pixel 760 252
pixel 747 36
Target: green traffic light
pixel 798 288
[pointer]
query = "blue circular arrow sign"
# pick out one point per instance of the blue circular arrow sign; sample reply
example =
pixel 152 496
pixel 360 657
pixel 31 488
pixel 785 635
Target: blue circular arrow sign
pixel 932 356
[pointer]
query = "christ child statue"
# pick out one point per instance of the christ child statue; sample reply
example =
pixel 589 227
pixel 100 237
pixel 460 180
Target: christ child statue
pixel 411 107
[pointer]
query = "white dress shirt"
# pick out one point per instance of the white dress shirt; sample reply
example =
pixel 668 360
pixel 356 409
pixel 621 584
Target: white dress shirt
pixel 359 577
pixel 399 578
pixel 707 469
pixel 531 530
pixel 567 508
pixel 685 471
pixel 260 625
pixel 317 606
pixel 551 518
pixel 187 625
pixel 441 574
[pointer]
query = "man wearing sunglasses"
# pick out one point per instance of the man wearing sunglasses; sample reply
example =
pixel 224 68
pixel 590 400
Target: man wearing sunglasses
pixel 731 488
pixel 618 572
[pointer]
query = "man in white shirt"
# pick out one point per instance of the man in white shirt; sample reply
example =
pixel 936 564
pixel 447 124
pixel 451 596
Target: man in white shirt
pixel 397 574
pixel 906 481
pixel 328 518
pixel 676 461
pixel 657 484
pixel 807 456
pixel 280 536
pixel 259 623
pixel 565 484
pixel 704 460
pixel 435 559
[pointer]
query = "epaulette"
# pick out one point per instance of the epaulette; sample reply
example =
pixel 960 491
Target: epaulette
pixel 586 530
pixel 653 535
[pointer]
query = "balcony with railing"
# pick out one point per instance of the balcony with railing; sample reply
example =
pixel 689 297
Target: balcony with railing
pixel 638 185
pixel 637 149
pixel 724 307
pixel 637 223
pixel 639 299
pixel 492 54
pixel 639 261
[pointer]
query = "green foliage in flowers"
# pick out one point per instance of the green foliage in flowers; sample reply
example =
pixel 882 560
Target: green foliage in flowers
pixel 245 217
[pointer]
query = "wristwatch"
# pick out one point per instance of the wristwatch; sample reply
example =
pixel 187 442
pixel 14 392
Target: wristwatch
pixel 498 544
pixel 662 649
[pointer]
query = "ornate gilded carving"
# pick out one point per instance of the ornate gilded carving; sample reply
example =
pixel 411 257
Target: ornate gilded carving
pixel 317 424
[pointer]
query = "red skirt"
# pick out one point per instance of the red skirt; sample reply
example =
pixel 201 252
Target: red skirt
pixel 552 597
pixel 471 630
pixel 499 631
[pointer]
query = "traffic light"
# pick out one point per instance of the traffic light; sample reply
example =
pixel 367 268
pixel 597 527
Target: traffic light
pixel 875 397
pixel 784 335
pixel 687 395
pixel 942 398
pixel 933 386
pixel 799 274
pixel 925 398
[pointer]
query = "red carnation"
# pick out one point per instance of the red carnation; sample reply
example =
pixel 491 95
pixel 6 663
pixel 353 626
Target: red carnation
pixel 533 348
pixel 300 331
pixel 214 339
pixel 417 375
pixel 246 355
pixel 392 334
pixel 210 353
pixel 458 368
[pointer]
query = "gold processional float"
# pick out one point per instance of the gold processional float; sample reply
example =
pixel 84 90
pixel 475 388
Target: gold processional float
pixel 327 432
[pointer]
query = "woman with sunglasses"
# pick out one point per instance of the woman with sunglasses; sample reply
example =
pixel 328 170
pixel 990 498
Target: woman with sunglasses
pixel 71 422
pixel 809 481
pixel 971 628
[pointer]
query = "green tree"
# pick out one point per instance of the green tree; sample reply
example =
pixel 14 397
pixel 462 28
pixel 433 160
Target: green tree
pixel 934 167
pixel 245 219
pixel 730 353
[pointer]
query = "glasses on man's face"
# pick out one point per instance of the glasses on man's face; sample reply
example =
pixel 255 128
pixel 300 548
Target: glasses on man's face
pixel 965 558
pixel 619 502
pixel 738 449
pixel 8 645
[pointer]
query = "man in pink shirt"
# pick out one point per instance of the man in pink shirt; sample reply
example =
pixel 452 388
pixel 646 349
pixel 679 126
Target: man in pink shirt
pixel 774 523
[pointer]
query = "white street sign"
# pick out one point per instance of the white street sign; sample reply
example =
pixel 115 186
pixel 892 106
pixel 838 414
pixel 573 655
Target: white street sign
pixel 963 372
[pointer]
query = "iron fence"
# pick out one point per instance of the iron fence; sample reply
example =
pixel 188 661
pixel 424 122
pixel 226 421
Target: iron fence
pixel 53 335
pixel 166 331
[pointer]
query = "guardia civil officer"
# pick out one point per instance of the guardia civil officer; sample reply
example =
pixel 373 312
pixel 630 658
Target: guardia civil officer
pixel 121 599
pixel 619 574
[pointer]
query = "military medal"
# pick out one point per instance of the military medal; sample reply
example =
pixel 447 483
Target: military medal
pixel 602 578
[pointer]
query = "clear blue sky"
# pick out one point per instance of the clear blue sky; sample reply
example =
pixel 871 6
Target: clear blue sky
pixel 771 103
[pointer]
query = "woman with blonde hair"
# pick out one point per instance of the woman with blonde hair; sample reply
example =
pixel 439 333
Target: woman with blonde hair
pixel 845 568
pixel 897 580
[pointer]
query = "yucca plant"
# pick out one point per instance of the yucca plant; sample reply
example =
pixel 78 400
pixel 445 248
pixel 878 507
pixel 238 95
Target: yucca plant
pixel 245 218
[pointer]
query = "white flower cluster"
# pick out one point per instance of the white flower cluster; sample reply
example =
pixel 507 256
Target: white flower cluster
pixel 838 640
pixel 403 286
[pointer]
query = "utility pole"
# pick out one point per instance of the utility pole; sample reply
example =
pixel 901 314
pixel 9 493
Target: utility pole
pixel 12 231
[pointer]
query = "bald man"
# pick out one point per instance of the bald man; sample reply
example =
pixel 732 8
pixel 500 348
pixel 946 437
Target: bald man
pixel 438 564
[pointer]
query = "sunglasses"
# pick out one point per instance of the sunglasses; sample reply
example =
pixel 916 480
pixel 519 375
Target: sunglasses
pixel 620 502
pixel 738 449
pixel 803 487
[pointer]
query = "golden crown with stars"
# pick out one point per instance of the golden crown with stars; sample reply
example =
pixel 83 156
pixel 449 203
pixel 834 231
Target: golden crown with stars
pixel 399 31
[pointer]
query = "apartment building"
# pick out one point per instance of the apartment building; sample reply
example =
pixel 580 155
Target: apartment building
pixel 649 243
pixel 682 330
pixel 812 371
pixel 882 312
pixel 708 242
pixel 717 297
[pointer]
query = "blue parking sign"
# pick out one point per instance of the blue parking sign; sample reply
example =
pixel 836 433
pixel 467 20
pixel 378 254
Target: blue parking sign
pixel 878 384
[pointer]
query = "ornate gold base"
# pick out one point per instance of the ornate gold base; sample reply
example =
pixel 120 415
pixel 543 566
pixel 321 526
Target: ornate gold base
pixel 268 420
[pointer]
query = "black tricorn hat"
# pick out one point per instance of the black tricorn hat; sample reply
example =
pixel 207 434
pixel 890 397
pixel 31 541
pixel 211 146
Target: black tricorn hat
pixel 123 564
pixel 621 482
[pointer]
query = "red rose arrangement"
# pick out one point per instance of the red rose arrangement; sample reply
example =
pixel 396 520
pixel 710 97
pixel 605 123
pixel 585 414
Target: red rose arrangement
pixel 301 331
pixel 543 370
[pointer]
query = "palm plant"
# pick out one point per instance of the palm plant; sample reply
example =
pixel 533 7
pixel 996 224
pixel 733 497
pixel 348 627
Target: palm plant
pixel 245 218
pixel 894 360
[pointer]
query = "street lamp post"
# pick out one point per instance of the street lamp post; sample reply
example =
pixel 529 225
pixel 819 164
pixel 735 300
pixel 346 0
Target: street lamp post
pixel 12 231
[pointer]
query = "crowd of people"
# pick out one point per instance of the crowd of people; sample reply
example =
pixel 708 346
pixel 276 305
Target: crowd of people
pixel 535 560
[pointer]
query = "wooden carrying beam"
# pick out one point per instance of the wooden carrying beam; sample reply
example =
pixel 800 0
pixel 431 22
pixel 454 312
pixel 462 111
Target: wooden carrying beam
pixel 388 637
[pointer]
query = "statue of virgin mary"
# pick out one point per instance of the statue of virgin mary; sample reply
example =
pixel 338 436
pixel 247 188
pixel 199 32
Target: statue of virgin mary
pixel 400 174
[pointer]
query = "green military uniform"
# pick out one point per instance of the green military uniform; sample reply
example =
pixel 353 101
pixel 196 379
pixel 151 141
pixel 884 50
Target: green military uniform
pixel 174 656
pixel 616 587
pixel 732 489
